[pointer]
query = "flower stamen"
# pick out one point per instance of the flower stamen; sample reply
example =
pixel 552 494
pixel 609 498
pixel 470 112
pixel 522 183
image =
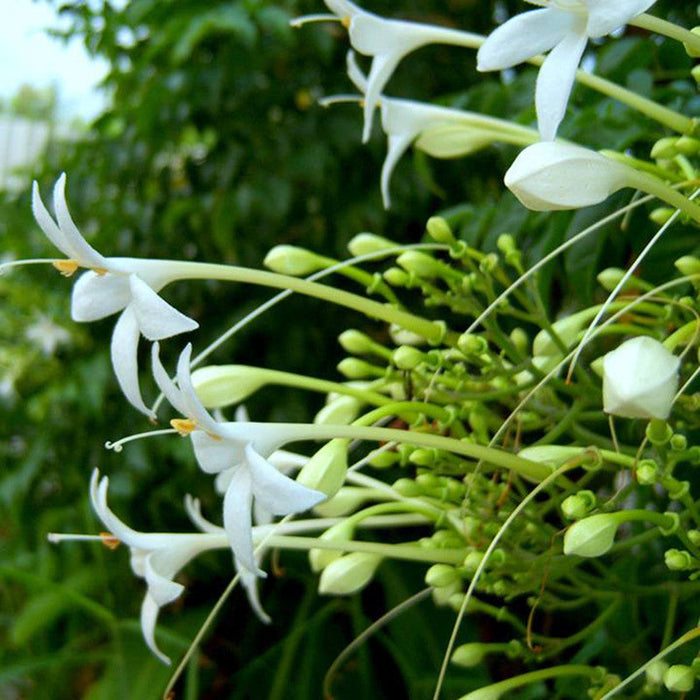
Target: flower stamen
pixel 109 540
pixel 184 426
pixel 66 267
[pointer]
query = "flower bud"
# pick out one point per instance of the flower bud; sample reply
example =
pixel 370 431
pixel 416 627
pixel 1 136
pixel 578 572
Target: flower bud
pixel 659 432
pixel 325 471
pixel 471 344
pixel 661 215
pixel 407 488
pixel 355 342
pixel 469 655
pixel 452 140
pixel 352 368
pixel 223 385
pixel 290 260
pixel 403 337
pixel 383 459
pixel 367 243
pixel 679 442
pixel 567 330
pixel 647 472
pixel 550 175
pixel 578 505
pixel 439 230
pixel 340 411
pixel 441 575
pixel 612 276
pixel 396 277
pixel 691 50
pixel 591 537
pixel 551 455
pixel 407 358
pixel 472 561
pixel 520 339
pixel 679 678
pixel 688 265
pixel 640 379
pixel 665 148
pixel 319 559
pixel 678 560
pixel 348 574
pixel 696 74
pixel 655 672
pixel 687 145
pixel 347 500
pixel 419 264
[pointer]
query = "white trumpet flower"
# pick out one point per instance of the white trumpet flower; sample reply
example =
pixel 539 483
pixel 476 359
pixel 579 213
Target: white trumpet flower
pixel 111 285
pixel 242 449
pixel 640 379
pixel 564 26
pixel 155 557
pixel 387 41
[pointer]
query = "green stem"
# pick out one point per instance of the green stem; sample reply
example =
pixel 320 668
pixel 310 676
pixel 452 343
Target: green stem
pixel 652 185
pixel 495 690
pixel 432 331
pixel 394 551
pixel 665 28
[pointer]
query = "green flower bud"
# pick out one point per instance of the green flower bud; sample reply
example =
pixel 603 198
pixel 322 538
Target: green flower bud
pixel 655 672
pixel 551 455
pixel 439 230
pixel 472 345
pixel 441 575
pixel 383 459
pixel 319 559
pixel 665 148
pixel 506 244
pixel 520 339
pixel 290 260
pixel 469 655
pixel 428 480
pixel 567 329
pixel 441 596
pixel 696 74
pixel 223 385
pixel 407 488
pixel 396 277
pixel 352 368
pixel 407 358
pixel 340 411
pixel 661 215
pixel 325 471
pixel 678 560
pixel 679 678
pixel 355 342
pixel 679 442
pixel 609 278
pixel 691 50
pixel 687 145
pixel 403 337
pixel 367 243
pixel 348 574
pixel 420 264
pixel 472 561
pixel 591 537
pixel 688 265
pixel 659 432
pixel 487 693
pixel 423 458
pixel 578 505
pixel 647 472
pixel 694 537
pixel 347 500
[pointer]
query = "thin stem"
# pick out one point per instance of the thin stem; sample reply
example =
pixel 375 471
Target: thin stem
pixel 665 28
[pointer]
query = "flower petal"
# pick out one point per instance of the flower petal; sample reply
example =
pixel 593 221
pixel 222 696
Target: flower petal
pixel 165 384
pixel 149 617
pixel 47 224
pixel 276 492
pixel 98 296
pixel 213 454
pixel 156 318
pixel 83 252
pixel 398 144
pixel 382 68
pixel 161 587
pixel 556 78
pixel 195 410
pixel 249 581
pixel 523 37
pixel 605 16
pixel 125 341
pixel 237 519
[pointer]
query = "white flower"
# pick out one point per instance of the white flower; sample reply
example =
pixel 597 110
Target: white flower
pixel 439 131
pixel 112 285
pixel 640 379
pixel 47 335
pixel 155 557
pixel 244 449
pixel 564 26
pixel 387 41
pixel 549 176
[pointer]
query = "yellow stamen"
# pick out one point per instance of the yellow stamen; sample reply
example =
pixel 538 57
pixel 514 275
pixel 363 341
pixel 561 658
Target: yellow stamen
pixel 66 267
pixel 100 270
pixel 184 426
pixel 346 21
pixel 109 540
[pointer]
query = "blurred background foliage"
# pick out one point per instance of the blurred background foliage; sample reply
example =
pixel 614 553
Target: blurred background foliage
pixel 214 148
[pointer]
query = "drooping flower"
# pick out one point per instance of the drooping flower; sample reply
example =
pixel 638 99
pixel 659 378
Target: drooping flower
pixel 111 285
pixel 242 449
pixel 564 26
pixel 549 176
pixel 440 132
pixel 387 41
pixel 155 557
pixel 640 379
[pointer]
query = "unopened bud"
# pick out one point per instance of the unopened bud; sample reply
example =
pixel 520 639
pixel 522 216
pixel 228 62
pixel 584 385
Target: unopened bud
pixel 355 342
pixel 347 500
pixel 659 432
pixel 471 344
pixel 691 50
pixel 439 230
pixel 383 459
pixel 419 264
pixel 578 505
pixel 290 260
pixel 665 148
pixel 348 574
pixel 407 357
pixel 352 368
pixel 472 561
pixel 340 411
pixel 325 471
pixel 367 243
pixel 688 146
pixel 679 678
pixel 591 537
pixel 688 265
pixel 403 337
pixel 469 655
pixel 223 385
pixel 647 472
pixel 319 559
pixel 696 74
pixel 520 339
pixel 655 672
pixel 396 277
pixel 661 215
pixel 678 560
pixel 441 575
